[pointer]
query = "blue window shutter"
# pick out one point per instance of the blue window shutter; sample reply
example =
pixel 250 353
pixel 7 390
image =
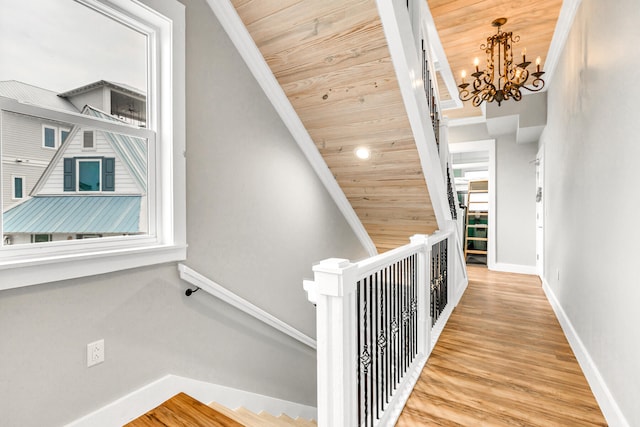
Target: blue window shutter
pixel 108 174
pixel 69 174
pixel 49 137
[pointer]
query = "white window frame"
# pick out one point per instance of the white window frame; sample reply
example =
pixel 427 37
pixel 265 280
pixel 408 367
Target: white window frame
pixel 24 265
pixel 13 187
pixel 55 136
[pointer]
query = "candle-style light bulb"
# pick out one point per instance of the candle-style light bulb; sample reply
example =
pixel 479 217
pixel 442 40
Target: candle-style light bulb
pixel 476 62
pixel 463 74
pixel 524 55
pixel 538 64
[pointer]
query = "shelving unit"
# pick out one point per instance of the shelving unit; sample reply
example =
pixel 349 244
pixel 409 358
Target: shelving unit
pixel 477 223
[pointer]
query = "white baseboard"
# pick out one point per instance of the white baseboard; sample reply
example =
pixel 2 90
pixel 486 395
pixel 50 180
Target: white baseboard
pixel 514 268
pixel 608 405
pixel 148 397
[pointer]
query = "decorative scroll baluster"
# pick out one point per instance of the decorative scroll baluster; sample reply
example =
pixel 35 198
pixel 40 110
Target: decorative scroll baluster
pixel 376 324
pixel 439 280
pixel 451 196
pixel 386 303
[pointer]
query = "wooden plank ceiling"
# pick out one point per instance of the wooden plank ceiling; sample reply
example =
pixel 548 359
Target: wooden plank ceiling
pixel 332 60
pixel 463 25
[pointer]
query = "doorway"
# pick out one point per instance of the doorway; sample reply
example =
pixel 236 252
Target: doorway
pixel 476 161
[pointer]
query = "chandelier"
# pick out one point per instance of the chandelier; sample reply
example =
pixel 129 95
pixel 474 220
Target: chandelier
pixel 502 80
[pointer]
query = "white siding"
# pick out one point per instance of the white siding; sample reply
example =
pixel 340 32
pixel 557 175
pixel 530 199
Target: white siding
pixel 22 139
pixel 125 184
pixel 98 98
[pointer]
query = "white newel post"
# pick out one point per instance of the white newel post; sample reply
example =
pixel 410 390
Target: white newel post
pixel 336 336
pixel 424 312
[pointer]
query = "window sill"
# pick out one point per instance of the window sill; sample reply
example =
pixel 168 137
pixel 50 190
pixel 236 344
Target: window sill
pixel 70 266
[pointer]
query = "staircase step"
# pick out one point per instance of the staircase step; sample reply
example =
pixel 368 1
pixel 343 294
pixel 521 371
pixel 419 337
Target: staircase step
pixel 249 418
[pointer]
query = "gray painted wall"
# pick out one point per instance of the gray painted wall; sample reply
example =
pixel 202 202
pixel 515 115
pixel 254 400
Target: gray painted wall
pixel 515 202
pixel 591 196
pixel 515 194
pixel 257 219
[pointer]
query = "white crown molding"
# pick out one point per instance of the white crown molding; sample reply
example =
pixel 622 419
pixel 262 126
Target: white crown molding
pixel 138 402
pixel 247 48
pixel 608 405
pixel 563 27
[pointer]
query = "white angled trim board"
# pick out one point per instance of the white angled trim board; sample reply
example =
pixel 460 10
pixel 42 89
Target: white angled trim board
pixel 608 405
pixel 138 402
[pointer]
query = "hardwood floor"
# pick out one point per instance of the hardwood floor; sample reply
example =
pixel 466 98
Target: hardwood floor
pixel 183 411
pixel 502 360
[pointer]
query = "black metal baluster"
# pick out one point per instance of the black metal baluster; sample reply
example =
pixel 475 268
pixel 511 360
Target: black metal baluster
pixel 414 307
pixel 403 269
pixel 358 346
pixel 374 343
pixel 397 289
pixel 445 256
pixel 365 358
pixel 432 287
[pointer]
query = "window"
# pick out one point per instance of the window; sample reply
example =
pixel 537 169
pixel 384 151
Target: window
pixel 64 133
pixel 146 167
pixel 18 187
pixel 49 136
pixel 88 175
pixel 87 141
pixel 88 236
pixel 41 238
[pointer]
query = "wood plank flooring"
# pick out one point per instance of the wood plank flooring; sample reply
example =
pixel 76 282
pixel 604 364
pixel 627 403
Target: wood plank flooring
pixel 502 360
pixel 183 411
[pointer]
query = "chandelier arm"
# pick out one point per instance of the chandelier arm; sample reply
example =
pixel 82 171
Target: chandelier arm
pixel 536 85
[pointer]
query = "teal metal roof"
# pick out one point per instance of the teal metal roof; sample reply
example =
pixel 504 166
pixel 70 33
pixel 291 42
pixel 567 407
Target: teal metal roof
pixel 132 150
pixel 74 214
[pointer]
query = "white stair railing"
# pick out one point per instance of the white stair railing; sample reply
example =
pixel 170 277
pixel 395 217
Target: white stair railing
pixel 374 327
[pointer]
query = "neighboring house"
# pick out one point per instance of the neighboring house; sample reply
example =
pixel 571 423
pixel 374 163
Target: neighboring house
pixel 258 216
pixel 120 100
pixel 95 186
pixel 28 143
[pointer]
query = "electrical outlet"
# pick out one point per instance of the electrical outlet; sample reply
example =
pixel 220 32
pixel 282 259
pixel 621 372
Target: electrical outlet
pixel 95 353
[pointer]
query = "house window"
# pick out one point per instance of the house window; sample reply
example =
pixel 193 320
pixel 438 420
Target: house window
pixel 137 181
pixel 88 140
pixel 49 136
pixel 41 238
pixel 97 174
pixel 64 133
pixel 88 236
pixel 89 174
pixel 18 187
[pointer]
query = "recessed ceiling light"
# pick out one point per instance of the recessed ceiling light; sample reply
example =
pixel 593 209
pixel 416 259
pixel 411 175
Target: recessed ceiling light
pixel 363 153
